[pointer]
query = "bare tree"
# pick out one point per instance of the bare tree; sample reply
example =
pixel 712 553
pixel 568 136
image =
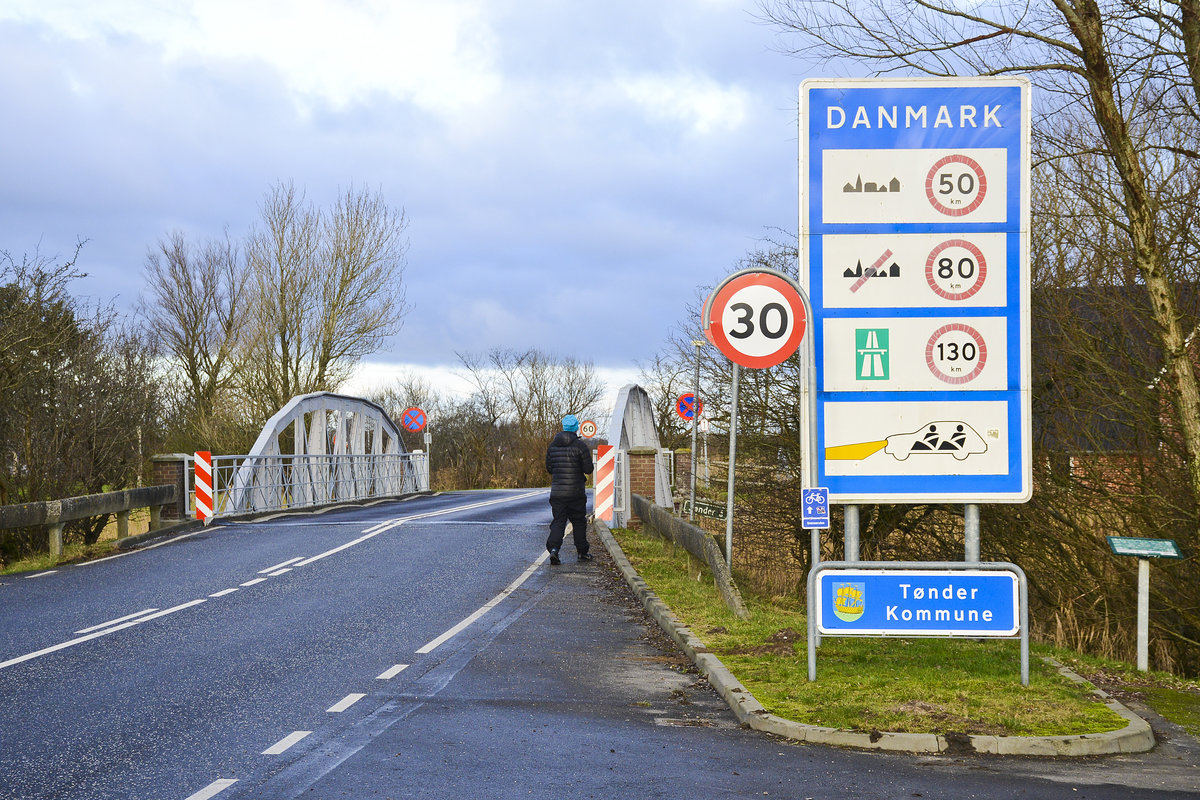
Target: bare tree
pixel 196 311
pixel 328 289
pixel 524 396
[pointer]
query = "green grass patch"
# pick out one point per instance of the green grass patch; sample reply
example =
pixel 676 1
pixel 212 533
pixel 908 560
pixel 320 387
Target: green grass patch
pixel 865 684
pixel 72 554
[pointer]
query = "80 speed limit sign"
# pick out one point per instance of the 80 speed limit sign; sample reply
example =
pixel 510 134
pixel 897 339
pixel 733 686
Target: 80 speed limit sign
pixel 757 318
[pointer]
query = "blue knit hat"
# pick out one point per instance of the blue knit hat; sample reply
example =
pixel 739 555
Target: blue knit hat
pixel 570 423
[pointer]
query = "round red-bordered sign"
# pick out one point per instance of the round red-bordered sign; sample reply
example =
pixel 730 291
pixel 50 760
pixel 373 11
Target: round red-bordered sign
pixel 587 429
pixel 685 404
pixel 413 419
pixel 953 351
pixel 939 284
pixel 757 318
pixel 955 184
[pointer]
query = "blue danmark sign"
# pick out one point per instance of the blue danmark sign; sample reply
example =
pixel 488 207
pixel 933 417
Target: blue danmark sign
pixel 917 602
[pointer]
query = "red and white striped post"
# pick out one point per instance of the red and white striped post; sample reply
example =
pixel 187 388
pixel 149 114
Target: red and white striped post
pixel 204 484
pixel 605 475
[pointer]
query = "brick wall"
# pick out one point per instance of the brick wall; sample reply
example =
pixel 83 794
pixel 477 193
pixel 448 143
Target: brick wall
pixel 683 470
pixel 641 477
pixel 168 470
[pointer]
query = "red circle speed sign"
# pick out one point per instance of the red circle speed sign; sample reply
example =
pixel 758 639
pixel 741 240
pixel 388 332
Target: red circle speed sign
pixel 757 318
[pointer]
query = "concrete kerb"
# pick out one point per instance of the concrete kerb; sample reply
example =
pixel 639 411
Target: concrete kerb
pixel 1135 737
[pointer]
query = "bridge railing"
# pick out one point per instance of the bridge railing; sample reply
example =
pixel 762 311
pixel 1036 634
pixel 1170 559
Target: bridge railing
pixel 53 513
pixel 249 484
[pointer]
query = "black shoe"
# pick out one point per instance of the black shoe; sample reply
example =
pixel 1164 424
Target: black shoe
pixel 585 556
pixel 554 559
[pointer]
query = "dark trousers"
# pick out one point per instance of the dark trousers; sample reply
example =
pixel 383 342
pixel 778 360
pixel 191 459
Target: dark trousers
pixel 574 510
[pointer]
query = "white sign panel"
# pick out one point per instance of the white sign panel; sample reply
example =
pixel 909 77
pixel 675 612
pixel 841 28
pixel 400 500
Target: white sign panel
pixel 914 254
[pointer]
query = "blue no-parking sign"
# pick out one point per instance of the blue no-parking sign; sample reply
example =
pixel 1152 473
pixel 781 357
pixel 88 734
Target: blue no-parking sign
pixel 914 252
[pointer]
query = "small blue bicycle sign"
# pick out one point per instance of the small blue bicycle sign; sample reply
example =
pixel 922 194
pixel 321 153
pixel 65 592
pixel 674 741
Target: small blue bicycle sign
pixel 815 508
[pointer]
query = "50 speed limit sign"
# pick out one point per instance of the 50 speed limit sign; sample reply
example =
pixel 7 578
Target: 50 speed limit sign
pixel 756 317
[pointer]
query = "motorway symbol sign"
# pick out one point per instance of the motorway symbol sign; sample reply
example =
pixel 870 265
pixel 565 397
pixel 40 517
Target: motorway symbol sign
pixel 757 318
pixel 587 429
pixel 413 419
pixel 914 253
pixel 686 406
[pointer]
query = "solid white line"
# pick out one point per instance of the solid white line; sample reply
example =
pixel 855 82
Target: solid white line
pixel 283 744
pixel 388 674
pixel 117 620
pixel 280 564
pixel 486 607
pixel 213 789
pixel 223 592
pixel 375 530
pixel 344 703
pixel 172 540
pixel 98 634
pixel 252 581
pixel 42 574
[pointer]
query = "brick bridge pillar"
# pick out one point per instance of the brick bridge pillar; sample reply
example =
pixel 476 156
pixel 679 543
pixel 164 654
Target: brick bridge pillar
pixel 169 470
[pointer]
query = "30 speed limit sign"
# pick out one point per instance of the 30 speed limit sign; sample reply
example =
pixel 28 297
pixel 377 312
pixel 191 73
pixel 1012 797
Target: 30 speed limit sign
pixel 757 318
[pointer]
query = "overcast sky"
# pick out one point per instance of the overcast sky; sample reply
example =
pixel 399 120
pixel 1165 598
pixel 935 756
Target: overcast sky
pixel 571 171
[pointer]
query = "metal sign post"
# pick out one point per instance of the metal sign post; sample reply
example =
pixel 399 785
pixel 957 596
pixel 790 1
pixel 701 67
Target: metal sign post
pixel 699 343
pixel 1144 550
pixel 758 318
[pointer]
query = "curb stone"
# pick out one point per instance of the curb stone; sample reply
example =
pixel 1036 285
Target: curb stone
pixel 1135 737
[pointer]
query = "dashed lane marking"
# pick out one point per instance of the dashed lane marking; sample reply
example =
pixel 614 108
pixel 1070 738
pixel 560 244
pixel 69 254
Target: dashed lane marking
pixel 213 789
pixel 285 743
pixel 345 702
pixel 392 672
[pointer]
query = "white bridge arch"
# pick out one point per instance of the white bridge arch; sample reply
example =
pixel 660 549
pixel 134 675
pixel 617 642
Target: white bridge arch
pixel 632 427
pixel 337 448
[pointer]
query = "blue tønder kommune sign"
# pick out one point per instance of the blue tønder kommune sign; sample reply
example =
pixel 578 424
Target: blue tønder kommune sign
pixel 917 602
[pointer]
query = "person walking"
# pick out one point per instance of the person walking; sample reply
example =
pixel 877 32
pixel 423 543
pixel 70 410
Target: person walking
pixel 569 462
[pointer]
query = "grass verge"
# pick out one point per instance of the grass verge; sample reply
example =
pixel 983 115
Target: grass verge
pixel 900 685
pixel 72 554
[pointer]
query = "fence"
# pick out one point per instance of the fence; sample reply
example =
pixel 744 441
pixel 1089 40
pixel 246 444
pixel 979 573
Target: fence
pixel 53 513
pixel 250 484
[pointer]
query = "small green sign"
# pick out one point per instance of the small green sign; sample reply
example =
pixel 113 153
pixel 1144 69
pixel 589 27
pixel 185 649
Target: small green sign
pixel 703 509
pixel 871 356
pixel 1144 548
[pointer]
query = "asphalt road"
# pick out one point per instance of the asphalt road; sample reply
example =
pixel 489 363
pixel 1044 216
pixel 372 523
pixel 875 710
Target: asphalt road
pixel 421 649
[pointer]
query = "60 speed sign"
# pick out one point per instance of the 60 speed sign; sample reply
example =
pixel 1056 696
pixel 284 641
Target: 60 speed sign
pixel 756 317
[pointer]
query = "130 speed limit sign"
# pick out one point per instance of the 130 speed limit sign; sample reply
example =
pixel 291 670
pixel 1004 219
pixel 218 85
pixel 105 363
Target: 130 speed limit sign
pixel 757 318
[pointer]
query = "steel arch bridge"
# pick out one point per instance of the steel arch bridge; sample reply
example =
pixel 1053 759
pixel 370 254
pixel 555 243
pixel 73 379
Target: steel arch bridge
pixel 319 448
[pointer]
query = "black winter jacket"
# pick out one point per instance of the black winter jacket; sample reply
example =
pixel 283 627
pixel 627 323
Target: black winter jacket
pixel 568 460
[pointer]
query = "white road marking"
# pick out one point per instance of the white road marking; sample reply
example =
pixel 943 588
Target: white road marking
pixel 224 592
pixel 41 574
pixel 213 789
pixel 375 530
pixel 283 744
pixel 392 672
pixel 252 581
pixel 280 564
pixel 172 540
pixel 117 620
pixel 344 703
pixel 279 572
pixel 486 607
pixel 98 634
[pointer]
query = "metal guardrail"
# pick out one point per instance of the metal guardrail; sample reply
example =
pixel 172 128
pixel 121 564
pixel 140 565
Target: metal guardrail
pixel 248 484
pixel 54 513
